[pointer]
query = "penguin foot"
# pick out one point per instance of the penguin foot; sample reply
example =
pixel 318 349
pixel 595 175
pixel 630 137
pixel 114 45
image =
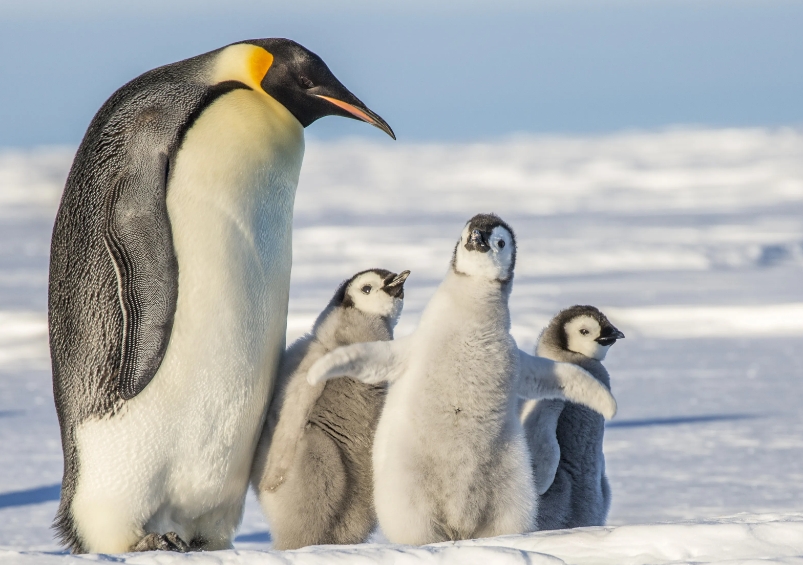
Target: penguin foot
pixel 162 542
pixel 199 544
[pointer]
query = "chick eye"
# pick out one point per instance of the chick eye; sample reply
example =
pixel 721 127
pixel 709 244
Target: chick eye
pixel 305 82
pixel 501 243
pixel 584 331
pixel 366 289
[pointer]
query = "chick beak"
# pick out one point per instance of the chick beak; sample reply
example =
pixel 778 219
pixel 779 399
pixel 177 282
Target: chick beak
pixel 363 114
pixel 395 287
pixel 477 241
pixel 610 336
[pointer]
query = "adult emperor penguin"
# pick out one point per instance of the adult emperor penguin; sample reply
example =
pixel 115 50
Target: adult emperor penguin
pixel 312 470
pixel 565 439
pixel 169 275
pixel 450 458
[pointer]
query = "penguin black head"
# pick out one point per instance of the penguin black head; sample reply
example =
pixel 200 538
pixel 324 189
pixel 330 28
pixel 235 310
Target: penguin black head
pixel 585 330
pixel 375 291
pixel 487 249
pixel 300 80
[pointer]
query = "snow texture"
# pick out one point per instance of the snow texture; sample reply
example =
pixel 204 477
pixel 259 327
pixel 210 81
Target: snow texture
pixel 690 240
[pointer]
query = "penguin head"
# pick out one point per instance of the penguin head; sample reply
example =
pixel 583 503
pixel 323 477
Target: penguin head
pixel 587 331
pixel 487 249
pixel 375 292
pixel 299 80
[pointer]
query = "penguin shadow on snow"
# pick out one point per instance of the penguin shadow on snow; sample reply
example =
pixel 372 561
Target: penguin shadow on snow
pixel 681 420
pixel 36 495
pixel 254 537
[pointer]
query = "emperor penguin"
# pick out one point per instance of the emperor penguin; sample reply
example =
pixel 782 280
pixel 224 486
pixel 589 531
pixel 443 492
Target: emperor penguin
pixel 450 457
pixel 169 277
pixel 312 470
pixel 565 439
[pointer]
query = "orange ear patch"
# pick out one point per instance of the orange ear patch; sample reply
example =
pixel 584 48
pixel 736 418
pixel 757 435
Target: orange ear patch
pixel 242 62
pixel 259 64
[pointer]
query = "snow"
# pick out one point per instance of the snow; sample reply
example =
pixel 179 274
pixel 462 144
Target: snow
pixel 713 321
pixel 739 539
pixel 691 240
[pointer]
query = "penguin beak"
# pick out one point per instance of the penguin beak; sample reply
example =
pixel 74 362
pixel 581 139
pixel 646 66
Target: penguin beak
pixel 395 287
pixel 477 242
pixel 610 336
pixel 363 114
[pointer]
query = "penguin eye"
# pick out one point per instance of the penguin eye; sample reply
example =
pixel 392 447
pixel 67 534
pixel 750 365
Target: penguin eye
pixel 305 82
pixel 501 243
pixel 584 331
pixel 366 289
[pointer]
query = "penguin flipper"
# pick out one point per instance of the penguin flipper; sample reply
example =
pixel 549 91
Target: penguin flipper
pixel 140 242
pixel 540 428
pixel 298 401
pixel 544 378
pixel 372 362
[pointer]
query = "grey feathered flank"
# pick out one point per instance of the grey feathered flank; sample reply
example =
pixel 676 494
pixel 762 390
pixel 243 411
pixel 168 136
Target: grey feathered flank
pixel 312 471
pixel 567 437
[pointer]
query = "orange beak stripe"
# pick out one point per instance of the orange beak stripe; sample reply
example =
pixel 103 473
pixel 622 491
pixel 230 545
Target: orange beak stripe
pixel 353 110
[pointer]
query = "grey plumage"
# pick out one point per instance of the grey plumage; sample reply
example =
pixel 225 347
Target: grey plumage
pixel 312 470
pixel 565 439
pixel 450 458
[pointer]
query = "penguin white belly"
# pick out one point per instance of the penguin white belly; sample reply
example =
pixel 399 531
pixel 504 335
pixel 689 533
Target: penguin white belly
pixel 177 457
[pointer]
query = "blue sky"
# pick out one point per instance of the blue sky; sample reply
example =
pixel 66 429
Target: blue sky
pixel 450 71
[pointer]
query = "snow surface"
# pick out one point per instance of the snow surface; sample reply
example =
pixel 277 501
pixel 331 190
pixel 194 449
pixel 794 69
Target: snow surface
pixel 691 240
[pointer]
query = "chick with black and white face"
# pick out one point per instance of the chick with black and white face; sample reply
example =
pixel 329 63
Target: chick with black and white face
pixel 376 292
pixel 588 331
pixel 487 249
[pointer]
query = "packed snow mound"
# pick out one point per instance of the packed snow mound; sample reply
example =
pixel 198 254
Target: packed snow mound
pixel 744 538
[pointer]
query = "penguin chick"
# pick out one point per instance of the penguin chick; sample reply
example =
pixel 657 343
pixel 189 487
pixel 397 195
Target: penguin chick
pixel 450 457
pixel 312 469
pixel 565 439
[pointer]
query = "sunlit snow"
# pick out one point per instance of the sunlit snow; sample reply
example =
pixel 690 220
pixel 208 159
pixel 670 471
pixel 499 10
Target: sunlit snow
pixel 690 240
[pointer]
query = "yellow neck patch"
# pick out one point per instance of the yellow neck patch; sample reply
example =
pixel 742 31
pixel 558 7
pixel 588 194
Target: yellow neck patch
pixel 244 63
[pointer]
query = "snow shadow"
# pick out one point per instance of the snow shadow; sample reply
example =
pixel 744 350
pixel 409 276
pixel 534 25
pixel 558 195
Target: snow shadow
pixel 256 537
pixel 676 421
pixel 30 496
pixel 11 413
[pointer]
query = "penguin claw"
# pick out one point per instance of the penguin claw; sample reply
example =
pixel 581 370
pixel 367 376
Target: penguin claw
pixel 277 469
pixel 162 542
pixel 273 484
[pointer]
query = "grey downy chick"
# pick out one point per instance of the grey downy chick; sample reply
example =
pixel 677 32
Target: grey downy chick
pixel 450 457
pixel 565 438
pixel 312 469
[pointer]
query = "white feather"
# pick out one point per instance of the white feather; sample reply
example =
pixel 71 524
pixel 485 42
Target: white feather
pixel 544 378
pixel 373 363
